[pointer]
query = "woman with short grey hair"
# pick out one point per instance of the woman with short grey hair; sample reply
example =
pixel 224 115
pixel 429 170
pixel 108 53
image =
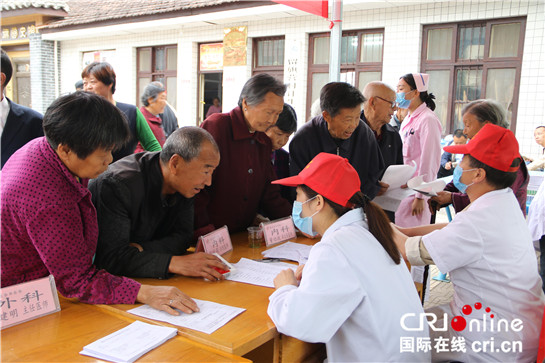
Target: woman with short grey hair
pixel 241 185
pixel 487 111
pixel 154 100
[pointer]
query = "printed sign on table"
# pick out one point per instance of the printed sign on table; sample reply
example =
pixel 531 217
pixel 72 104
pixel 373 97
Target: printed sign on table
pixel 28 300
pixel 279 230
pixel 217 241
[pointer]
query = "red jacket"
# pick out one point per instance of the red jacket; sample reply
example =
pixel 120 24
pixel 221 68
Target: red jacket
pixel 49 226
pixel 241 184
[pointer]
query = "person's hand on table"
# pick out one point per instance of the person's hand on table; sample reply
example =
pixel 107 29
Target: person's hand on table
pixel 299 272
pixel 417 206
pixel 197 264
pixel 383 188
pixel 285 277
pixel 166 298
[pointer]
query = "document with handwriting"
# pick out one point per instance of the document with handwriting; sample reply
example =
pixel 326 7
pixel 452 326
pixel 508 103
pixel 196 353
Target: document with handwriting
pixel 258 273
pixel 210 318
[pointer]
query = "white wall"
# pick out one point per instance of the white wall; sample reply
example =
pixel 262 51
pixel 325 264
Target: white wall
pixel 402 49
pixel 124 63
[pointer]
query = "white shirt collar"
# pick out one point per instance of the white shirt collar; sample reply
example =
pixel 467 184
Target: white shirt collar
pixel 4 111
pixel 350 217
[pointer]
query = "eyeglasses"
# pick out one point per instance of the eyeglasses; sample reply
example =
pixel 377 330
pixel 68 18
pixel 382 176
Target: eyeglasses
pixel 392 104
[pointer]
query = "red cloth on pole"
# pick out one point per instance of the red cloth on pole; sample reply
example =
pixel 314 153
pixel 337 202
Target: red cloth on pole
pixel 316 7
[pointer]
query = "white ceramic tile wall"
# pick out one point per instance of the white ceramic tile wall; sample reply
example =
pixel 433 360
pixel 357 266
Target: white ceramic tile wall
pixel 402 47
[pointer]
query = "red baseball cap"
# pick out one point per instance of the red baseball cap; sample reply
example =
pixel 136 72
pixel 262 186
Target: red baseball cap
pixel 329 175
pixel 493 145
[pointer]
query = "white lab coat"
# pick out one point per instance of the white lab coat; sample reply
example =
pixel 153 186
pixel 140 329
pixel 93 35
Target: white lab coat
pixel 490 256
pixel 351 297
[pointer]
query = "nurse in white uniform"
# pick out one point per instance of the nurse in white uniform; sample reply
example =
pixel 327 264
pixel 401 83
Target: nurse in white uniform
pixel 498 303
pixel 354 290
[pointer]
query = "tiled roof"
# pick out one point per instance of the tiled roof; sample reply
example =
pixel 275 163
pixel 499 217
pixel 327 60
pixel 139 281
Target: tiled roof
pixel 22 4
pixel 94 11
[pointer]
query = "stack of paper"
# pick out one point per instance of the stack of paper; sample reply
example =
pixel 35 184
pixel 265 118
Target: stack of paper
pixel 292 251
pixel 258 273
pixel 129 343
pixel 211 316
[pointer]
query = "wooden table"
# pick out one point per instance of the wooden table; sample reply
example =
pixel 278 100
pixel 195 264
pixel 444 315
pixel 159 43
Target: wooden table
pixel 250 330
pixel 59 337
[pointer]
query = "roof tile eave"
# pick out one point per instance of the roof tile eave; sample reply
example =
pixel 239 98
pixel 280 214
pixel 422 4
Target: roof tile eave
pixel 8 5
pixel 111 10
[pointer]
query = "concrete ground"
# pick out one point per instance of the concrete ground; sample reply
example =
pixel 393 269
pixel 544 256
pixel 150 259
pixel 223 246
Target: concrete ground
pixel 440 292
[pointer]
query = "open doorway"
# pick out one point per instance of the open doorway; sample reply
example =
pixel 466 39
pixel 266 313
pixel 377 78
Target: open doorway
pixel 210 79
pixel 210 88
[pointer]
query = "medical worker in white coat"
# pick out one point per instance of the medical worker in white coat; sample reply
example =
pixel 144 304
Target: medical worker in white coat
pixel 498 303
pixel 355 292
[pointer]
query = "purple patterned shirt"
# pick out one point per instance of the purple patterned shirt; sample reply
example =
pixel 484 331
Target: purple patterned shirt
pixel 49 226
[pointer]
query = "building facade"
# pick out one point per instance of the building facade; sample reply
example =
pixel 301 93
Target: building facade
pixel 36 73
pixel 472 49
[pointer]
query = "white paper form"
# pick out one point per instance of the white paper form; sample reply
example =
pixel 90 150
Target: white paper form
pixel 258 273
pixel 429 189
pixel 129 343
pixel 395 176
pixel 292 251
pixel 210 318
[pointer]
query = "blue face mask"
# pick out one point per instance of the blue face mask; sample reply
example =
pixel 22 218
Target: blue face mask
pixel 458 171
pixel 401 101
pixel 303 224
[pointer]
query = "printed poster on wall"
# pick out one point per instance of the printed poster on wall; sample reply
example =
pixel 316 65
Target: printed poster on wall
pixel 211 57
pixel 234 46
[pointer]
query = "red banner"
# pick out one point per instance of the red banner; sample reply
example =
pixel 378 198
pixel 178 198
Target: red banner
pixel 316 7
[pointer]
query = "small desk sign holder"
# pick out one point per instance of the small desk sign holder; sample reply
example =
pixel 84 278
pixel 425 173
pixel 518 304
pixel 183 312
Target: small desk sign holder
pixel 217 241
pixel 277 231
pixel 28 300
